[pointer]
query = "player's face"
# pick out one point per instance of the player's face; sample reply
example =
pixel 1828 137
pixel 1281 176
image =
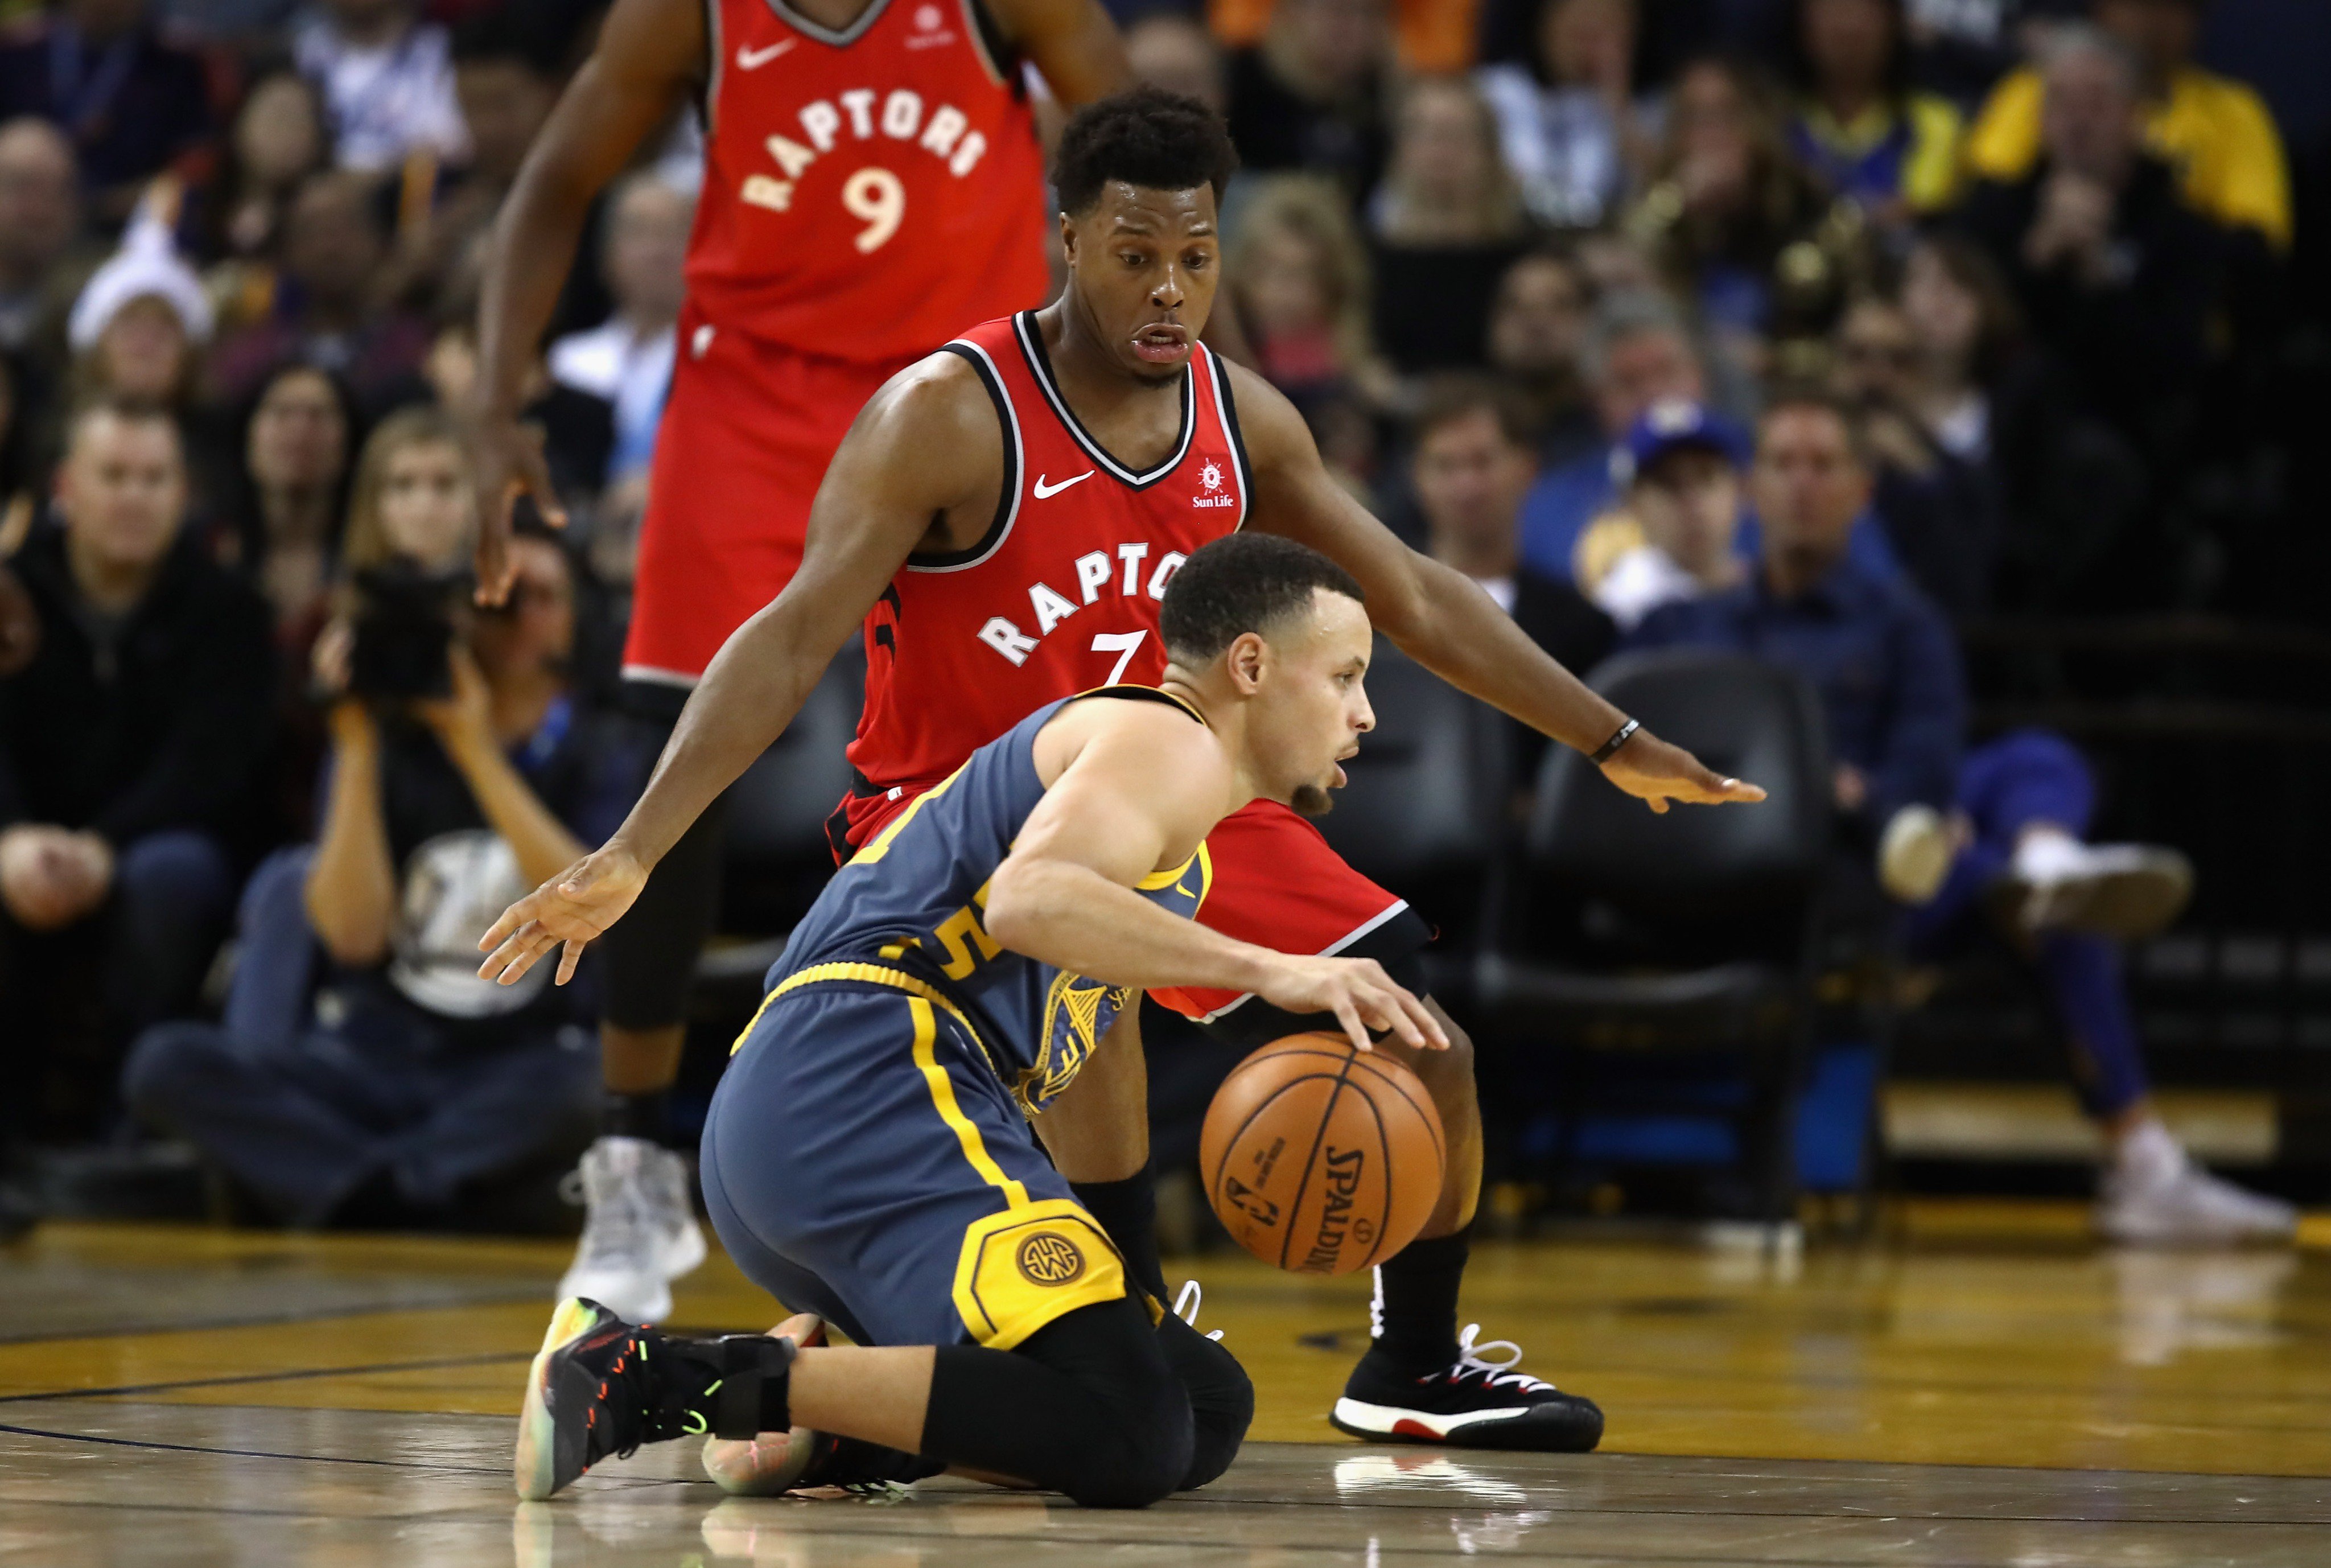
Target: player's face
pixel 1143 265
pixel 1311 705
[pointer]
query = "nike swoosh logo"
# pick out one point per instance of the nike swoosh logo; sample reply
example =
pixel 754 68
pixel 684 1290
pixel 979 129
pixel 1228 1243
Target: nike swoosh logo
pixel 1184 891
pixel 1045 492
pixel 754 59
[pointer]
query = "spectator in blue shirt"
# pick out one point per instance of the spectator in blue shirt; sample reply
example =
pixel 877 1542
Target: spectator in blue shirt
pixel 1961 836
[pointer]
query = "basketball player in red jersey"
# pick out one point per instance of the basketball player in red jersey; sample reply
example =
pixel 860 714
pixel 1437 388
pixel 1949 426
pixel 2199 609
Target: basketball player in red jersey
pixel 872 185
pixel 1006 514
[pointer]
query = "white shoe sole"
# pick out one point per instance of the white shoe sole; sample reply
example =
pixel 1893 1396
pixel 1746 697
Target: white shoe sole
pixel 534 1468
pixel 1383 1420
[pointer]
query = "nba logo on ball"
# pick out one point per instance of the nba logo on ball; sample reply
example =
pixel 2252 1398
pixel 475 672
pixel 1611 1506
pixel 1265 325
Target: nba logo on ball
pixel 1321 1159
pixel 1048 1257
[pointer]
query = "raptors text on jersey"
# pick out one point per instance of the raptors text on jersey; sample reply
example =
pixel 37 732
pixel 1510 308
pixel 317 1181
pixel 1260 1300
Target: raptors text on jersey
pixel 1061 592
pixel 868 192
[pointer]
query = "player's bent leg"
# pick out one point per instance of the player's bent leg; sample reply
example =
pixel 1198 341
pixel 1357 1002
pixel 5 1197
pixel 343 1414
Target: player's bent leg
pixel 1220 1395
pixel 1448 1078
pixel 1086 1405
pixel 1422 1381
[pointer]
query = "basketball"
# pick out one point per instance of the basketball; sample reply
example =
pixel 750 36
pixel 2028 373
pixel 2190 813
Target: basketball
pixel 1321 1159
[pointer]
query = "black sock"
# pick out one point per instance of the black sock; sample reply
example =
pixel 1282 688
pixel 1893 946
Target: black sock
pixel 1416 1303
pixel 1127 1210
pixel 636 1116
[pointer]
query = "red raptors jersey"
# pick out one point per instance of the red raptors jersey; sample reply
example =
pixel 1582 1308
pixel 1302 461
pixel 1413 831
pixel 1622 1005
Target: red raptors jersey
pixel 1061 593
pixel 868 192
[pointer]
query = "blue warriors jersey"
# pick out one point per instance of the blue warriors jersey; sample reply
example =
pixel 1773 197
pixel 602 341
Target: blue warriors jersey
pixel 913 900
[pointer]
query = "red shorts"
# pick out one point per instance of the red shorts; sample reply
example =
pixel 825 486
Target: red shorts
pixel 746 435
pixel 1278 884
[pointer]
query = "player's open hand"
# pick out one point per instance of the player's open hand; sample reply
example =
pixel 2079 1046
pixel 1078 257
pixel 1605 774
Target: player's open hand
pixel 506 463
pixel 1362 997
pixel 1657 772
pixel 570 909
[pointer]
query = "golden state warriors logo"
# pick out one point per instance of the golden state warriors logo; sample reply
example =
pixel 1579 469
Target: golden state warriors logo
pixel 1048 1257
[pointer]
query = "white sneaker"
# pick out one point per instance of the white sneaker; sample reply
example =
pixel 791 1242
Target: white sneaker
pixel 640 1232
pixel 2129 892
pixel 2164 1199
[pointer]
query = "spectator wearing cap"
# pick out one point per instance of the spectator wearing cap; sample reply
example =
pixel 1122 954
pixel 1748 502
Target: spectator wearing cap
pixel 328 311
pixel 387 78
pixel 1683 499
pixel 2215 132
pixel 1308 95
pixel 1636 350
pixel 1961 837
pixel 140 327
pixel 131 103
pixel 128 748
pixel 1859 124
pixel 2114 271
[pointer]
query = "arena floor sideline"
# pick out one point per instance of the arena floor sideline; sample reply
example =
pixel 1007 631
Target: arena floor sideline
pixel 1984 1387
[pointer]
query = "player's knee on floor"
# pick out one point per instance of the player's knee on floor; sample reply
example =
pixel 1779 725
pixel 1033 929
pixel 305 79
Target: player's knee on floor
pixel 1143 1449
pixel 1221 1399
pixel 1085 1405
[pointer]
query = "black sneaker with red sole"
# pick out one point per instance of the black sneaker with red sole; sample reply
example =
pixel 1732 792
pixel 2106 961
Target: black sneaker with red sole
pixel 1472 1404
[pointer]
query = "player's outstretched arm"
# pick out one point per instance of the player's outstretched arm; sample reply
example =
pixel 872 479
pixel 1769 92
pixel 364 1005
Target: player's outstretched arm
pixel 925 446
pixel 649 54
pixel 1135 785
pixel 1443 619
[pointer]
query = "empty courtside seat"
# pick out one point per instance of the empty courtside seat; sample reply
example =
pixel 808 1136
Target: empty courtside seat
pixel 1617 931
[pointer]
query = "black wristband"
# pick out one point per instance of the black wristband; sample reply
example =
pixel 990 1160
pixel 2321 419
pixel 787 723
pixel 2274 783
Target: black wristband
pixel 1603 752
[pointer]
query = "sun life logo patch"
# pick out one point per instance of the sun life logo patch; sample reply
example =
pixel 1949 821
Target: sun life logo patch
pixel 1048 1257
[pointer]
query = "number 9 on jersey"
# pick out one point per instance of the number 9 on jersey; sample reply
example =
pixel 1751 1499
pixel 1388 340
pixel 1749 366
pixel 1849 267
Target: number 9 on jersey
pixel 875 196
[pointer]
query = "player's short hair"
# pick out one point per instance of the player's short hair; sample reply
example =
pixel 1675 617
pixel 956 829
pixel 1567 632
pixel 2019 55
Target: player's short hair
pixel 1240 584
pixel 1146 137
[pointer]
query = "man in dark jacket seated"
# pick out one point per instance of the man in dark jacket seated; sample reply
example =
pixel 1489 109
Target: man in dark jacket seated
pixel 1972 841
pixel 129 742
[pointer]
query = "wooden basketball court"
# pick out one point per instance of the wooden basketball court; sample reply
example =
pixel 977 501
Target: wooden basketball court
pixel 1983 1387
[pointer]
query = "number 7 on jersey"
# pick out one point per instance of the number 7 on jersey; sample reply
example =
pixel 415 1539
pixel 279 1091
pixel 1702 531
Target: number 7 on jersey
pixel 1122 644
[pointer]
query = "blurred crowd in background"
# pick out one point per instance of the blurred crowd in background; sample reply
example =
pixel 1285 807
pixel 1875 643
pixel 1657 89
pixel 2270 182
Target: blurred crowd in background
pixel 2013 304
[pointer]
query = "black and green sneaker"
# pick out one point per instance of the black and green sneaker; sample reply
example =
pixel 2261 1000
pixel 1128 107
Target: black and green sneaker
pixel 602 1386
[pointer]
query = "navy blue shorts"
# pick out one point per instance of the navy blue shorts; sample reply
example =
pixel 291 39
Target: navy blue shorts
pixel 862 1161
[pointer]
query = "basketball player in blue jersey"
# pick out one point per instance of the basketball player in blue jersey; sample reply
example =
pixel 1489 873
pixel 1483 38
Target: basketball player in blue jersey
pixel 869 1157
